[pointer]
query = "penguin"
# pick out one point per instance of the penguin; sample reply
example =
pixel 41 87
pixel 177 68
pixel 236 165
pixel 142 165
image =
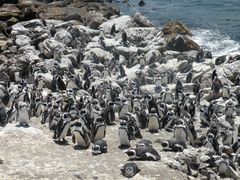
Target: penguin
pixel 63 127
pixel 141 3
pixel 180 132
pixel 124 135
pixel 130 169
pixel 113 30
pixel 200 55
pixel 237 80
pixel 80 137
pixel 214 74
pixel 226 167
pixel 229 109
pixel 189 77
pixel 99 147
pixel 216 85
pixel 143 153
pixel 165 80
pixel 11 113
pixel 54 121
pixel 99 130
pixel 23 114
pixel 124 38
pixel 102 43
pixel 178 88
pixel 3 115
pixel 141 117
pixel 211 143
pixel 172 145
pixel 168 97
pixel 236 146
pixel 226 91
pixel 108 114
pixel 191 132
pixel 204 116
pixel 196 87
pixel 153 123
pixel 125 108
pixel 37 109
pixel 227 137
pixel 144 142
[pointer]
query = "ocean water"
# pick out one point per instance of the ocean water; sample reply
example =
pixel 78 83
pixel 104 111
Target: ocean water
pixel 215 23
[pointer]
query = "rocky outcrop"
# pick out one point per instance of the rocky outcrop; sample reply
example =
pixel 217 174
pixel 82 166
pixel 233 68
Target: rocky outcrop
pixel 176 28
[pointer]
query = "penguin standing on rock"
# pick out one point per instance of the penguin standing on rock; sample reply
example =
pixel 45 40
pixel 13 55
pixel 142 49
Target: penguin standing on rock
pixel 124 38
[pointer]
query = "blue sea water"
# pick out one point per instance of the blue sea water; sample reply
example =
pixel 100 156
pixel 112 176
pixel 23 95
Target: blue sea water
pixel 214 23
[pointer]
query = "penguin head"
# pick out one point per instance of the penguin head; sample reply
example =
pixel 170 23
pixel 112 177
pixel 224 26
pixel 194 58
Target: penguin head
pixel 210 136
pixel 178 148
pixel 96 149
pixel 165 144
pixel 129 170
pixel 66 116
pixel 131 153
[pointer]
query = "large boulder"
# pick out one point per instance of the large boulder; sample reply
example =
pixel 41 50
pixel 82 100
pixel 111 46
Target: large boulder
pixel 48 46
pixel 64 37
pixel 7 11
pixel 122 22
pixel 175 28
pixel 182 43
pixel 142 21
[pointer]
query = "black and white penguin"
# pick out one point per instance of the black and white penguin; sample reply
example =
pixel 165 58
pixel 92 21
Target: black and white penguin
pixel 226 167
pixel 113 30
pixel 108 114
pixel 214 74
pixel 172 145
pixel 178 88
pixel 12 113
pixel 225 91
pixel 54 121
pixel 80 137
pixel 204 116
pixel 237 80
pixel 227 136
pixel 125 108
pixel 200 55
pixel 189 77
pixel 130 169
pixel 196 87
pixel 167 96
pixel 3 115
pixel 99 130
pixel 216 85
pixel 180 132
pixel 124 135
pixel 63 127
pixel 124 38
pixel 153 123
pixel 144 142
pixel 99 147
pixel 211 143
pixel 23 116
pixel 144 153
pixel 229 109
pixel 236 146
pixel 37 108
pixel 102 43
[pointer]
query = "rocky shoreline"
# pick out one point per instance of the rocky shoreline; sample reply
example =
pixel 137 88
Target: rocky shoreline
pixel 70 38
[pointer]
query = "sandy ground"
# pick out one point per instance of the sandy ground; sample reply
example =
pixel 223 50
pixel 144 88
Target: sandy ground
pixel 30 153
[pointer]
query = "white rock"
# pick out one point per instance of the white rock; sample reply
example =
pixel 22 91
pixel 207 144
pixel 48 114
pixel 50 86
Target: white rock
pixel 63 36
pixel 22 40
pixel 121 23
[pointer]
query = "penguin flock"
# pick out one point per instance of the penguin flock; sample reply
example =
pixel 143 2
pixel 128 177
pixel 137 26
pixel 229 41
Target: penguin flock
pixel 80 102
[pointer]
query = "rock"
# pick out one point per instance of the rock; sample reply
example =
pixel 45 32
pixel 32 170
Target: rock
pixel 48 46
pixel 182 43
pixel 94 19
pixel 12 21
pixel 64 37
pixel 152 56
pixel 22 40
pixel 7 11
pixel 101 55
pixel 126 51
pixel 142 21
pixel 122 22
pixel 185 67
pixel 141 35
pixel 175 28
